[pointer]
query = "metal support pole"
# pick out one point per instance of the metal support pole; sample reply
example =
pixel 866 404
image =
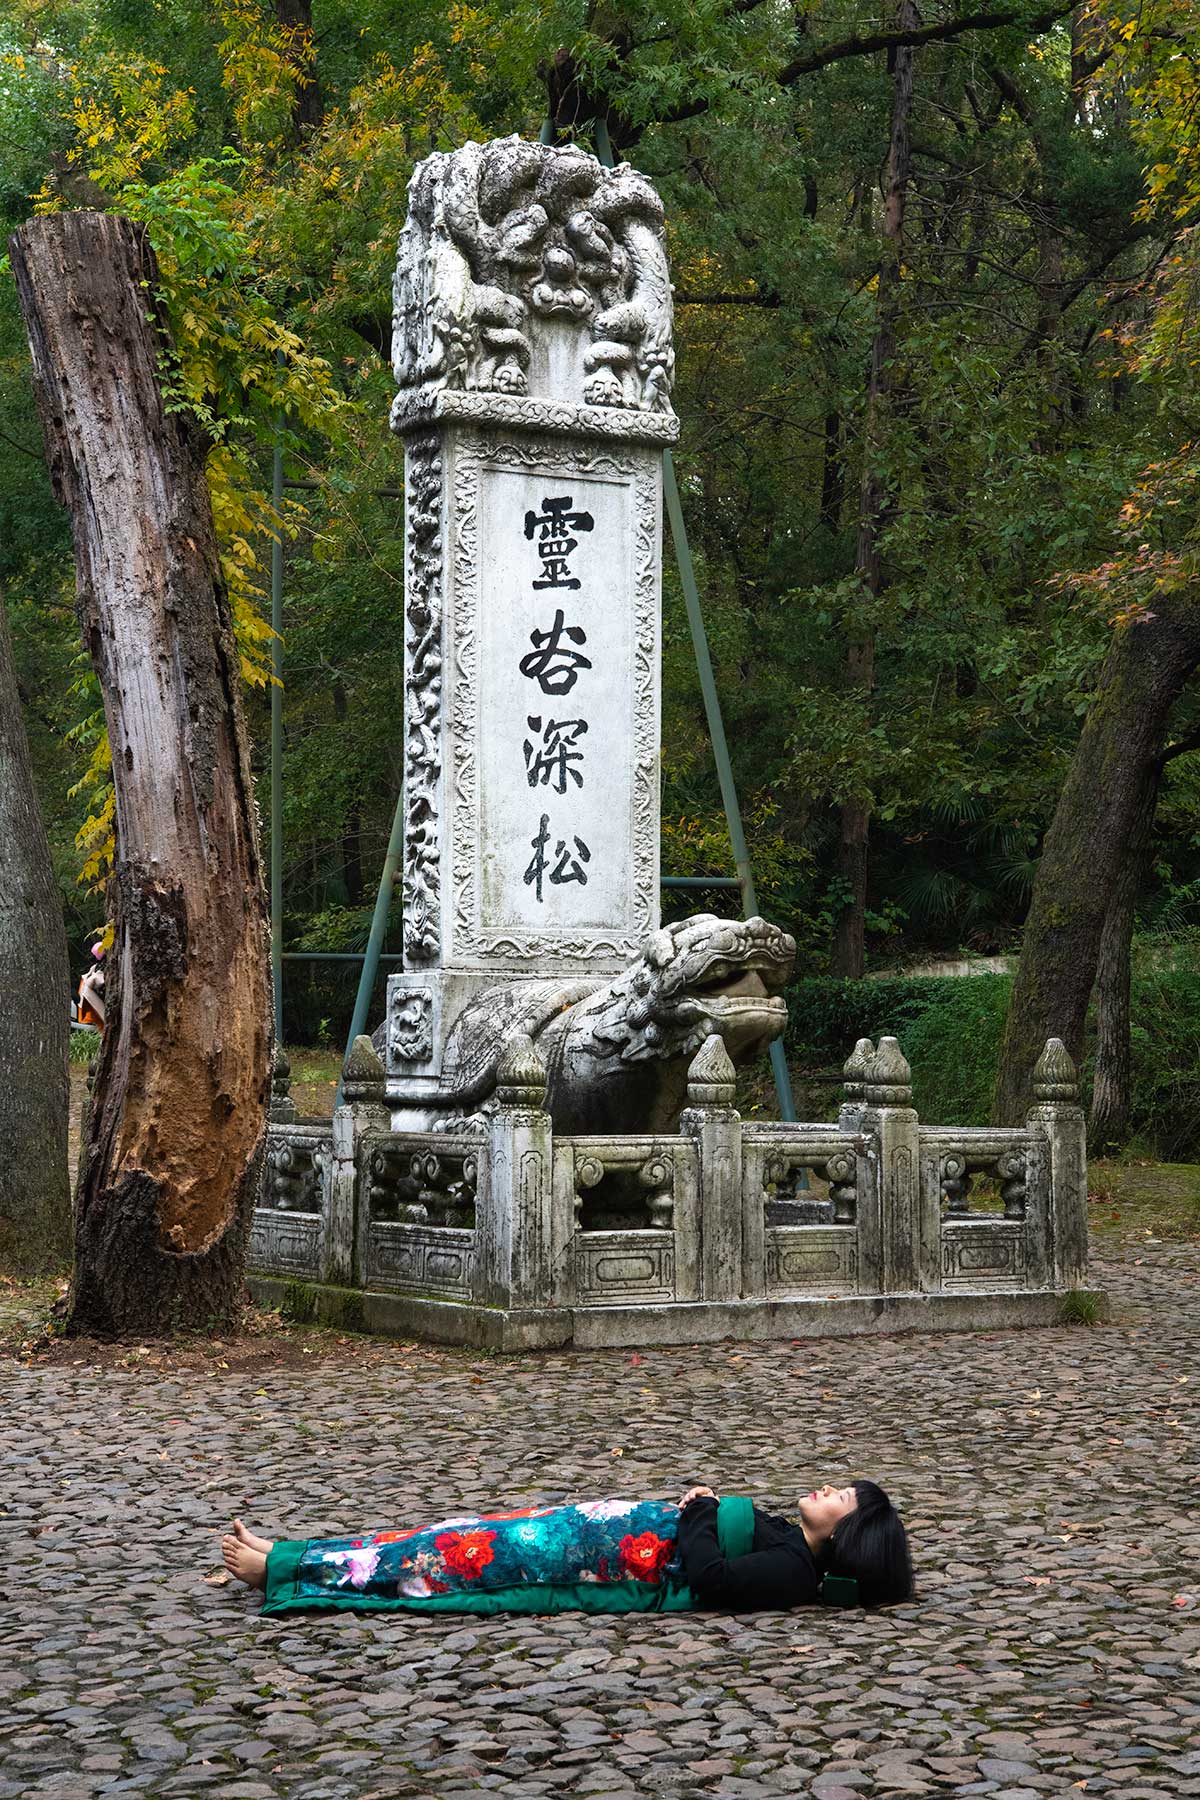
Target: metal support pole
pixel 277 748
pixel 383 901
pixel 716 732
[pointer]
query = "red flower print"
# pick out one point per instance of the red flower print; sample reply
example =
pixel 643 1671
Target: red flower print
pixel 645 1556
pixel 467 1553
pixel 390 1537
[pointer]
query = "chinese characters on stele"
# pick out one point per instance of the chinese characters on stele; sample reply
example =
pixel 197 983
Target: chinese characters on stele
pixel 553 755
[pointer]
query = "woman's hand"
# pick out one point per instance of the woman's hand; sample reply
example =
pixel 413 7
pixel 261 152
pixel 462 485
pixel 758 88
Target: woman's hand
pixel 696 1493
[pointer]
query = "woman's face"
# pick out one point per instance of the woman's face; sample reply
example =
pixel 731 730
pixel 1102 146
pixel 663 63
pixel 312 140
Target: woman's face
pixel 825 1507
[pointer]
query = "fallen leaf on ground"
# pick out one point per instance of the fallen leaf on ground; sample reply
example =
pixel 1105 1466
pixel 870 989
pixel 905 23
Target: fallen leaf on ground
pixel 219 1579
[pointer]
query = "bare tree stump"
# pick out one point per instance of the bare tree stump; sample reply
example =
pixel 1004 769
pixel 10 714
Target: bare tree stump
pixel 178 1116
pixel 35 1196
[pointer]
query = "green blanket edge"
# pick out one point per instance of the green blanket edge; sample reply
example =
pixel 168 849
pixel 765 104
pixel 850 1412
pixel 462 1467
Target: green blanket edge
pixel 735 1533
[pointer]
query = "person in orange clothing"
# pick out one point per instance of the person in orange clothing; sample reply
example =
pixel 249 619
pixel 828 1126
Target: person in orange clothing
pixel 91 991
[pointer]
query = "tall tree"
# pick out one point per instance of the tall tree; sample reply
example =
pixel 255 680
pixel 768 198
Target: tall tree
pixel 1103 809
pixel 849 938
pixel 179 1111
pixel 35 1195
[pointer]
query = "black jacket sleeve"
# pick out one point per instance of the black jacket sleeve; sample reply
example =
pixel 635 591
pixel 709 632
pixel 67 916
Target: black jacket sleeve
pixel 778 1573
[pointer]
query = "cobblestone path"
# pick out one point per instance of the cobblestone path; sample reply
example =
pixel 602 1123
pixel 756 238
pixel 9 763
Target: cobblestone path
pixel 1049 1477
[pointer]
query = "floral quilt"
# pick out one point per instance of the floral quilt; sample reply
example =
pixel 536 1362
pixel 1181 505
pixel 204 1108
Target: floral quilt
pixel 601 1542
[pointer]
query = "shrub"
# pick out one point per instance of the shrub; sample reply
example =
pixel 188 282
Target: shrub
pixel 1164 1110
pixel 949 1028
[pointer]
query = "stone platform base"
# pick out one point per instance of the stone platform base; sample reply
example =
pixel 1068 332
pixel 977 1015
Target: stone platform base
pixel 602 1327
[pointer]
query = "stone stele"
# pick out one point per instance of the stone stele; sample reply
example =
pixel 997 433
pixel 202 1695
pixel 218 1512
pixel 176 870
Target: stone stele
pixel 532 353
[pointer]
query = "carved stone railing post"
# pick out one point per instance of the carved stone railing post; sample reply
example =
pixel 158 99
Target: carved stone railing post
pixel 514 1196
pixel 731 1231
pixel 854 1076
pixel 363 1109
pixel 282 1110
pixel 910 1223
pixel 1057 1114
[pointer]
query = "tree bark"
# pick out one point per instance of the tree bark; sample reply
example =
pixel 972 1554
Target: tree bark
pixel 1087 846
pixel 295 17
pixel 1108 1121
pixel 849 937
pixel 35 1194
pixel 179 1110
pixel 833 473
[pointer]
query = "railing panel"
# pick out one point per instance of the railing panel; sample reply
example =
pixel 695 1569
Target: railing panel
pixel 614 1268
pixel 804 1260
pixel 287 1243
pixel 626 1223
pixel 836 1250
pixel 1003 1243
pixel 289 1232
pixel 419 1259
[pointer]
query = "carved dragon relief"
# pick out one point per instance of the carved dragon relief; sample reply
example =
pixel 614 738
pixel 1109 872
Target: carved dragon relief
pixel 500 235
pixel 422 698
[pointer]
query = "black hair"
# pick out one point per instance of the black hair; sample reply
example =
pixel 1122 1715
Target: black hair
pixel 870 1545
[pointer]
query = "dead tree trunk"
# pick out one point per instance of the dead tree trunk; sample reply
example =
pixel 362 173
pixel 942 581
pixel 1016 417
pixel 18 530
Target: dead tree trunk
pixel 35 1194
pixel 1087 845
pixel 849 945
pixel 179 1109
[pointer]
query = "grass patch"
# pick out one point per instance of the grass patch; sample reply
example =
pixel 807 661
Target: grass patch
pixel 1080 1308
pixel 314 1081
pixel 1132 1199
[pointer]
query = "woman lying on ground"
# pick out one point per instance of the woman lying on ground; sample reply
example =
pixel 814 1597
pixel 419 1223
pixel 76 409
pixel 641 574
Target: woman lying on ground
pixel 599 1556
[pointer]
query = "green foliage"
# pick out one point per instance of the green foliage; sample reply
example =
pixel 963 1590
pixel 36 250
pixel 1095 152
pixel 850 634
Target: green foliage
pixel 949 1029
pixel 954 1048
pixel 1042 437
pixel 83 1045
pixel 1165 1062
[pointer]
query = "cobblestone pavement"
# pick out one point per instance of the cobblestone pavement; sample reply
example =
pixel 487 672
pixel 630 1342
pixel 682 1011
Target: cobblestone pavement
pixel 1049 1478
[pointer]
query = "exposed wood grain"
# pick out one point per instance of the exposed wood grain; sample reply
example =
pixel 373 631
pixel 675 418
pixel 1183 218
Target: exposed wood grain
pixel 178 1119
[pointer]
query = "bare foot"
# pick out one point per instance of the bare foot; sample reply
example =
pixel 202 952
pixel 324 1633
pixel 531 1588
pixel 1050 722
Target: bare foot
pixel 251 1540
pixel 248 1565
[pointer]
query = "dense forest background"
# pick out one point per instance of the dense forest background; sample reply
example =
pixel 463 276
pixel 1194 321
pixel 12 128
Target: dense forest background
pixel 909 582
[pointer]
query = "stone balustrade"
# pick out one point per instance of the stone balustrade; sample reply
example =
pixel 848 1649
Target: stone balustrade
pixel 518 1237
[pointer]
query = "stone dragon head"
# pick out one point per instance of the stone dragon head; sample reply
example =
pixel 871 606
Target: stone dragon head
pixel 695 977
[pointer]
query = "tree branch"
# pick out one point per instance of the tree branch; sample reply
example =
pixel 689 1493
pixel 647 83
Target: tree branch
pixel 23 448
pixel 994 20
pixel 728 300
pixel 1183 748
